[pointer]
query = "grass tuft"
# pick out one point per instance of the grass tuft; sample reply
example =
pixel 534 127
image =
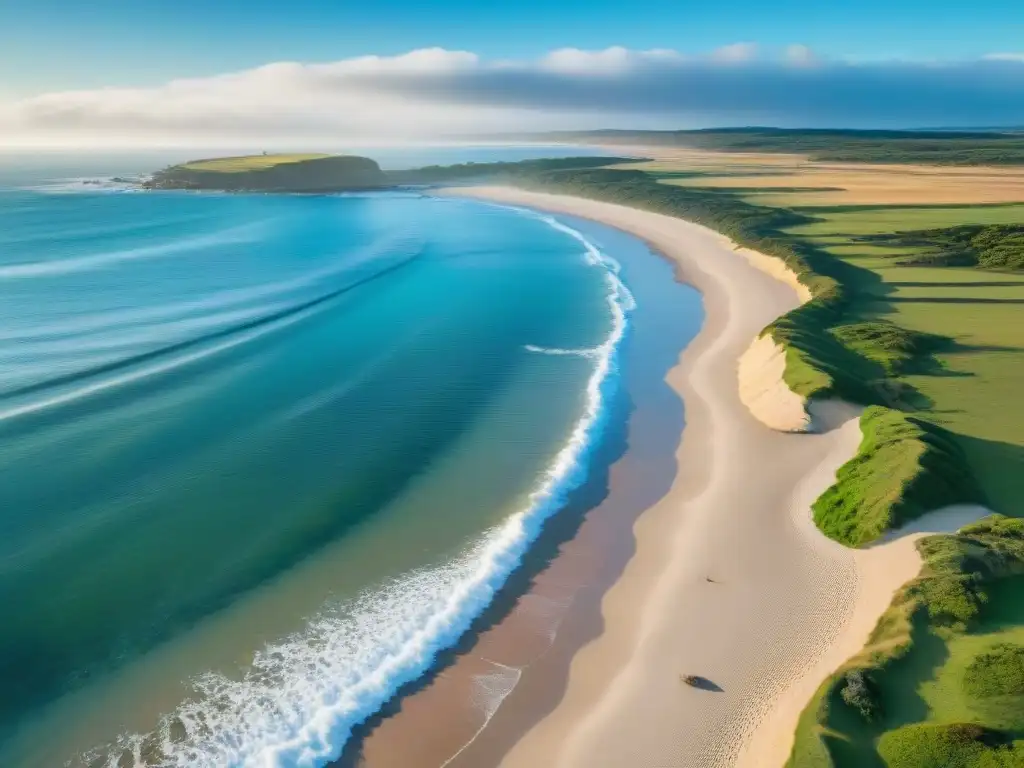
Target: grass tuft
pixel 957 745
pixel 897 350
pixel 904 468
pixel 998 672
pixel 992 246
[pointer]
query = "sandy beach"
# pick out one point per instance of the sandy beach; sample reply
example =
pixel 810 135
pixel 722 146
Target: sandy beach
pixel 730 580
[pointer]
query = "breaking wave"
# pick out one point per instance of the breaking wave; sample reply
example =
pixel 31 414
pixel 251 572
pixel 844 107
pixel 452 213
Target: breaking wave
pixel 300 699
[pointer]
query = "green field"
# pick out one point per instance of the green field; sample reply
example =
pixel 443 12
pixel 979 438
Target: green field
pixel 851 220
pixel 920 659
pixel 247 162
pixel 840 145
pixel 946 664
pixel 975 391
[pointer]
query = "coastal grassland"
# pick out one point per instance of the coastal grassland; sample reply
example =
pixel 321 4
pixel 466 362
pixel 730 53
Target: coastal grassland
pixel 904 468
pixel 939 644
pixel 971 382
pixel 794 180
pixel 845 221
pixel 248 162
pixel 838 145
pixel 463 172
pixel 993 246
pixel 946 683
pixel 940 346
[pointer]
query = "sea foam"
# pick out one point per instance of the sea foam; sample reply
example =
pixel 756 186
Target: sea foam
pixel 300 700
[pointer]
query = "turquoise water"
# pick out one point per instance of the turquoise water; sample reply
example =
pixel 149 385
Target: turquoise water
pixel 264 456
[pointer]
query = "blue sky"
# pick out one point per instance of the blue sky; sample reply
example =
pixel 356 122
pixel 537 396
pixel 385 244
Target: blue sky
pixel 58 44
pixel 307 72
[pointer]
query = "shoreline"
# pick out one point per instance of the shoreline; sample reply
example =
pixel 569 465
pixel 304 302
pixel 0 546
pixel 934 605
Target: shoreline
pixel 787 606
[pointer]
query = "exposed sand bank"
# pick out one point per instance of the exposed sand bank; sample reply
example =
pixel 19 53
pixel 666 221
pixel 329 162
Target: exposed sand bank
pixel 764 392
pixel 730 580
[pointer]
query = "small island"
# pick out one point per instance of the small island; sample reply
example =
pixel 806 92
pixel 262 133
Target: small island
pixel 297 173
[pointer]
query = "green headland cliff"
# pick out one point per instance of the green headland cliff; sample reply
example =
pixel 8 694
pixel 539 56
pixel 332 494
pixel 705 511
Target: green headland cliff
pixel 273 173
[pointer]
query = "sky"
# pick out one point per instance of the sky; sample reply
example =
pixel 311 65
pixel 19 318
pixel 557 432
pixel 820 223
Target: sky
pixel 180 71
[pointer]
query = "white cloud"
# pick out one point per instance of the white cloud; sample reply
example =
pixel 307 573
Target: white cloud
pixel 422 60
pixel 614 60
pixel 735 53
pixel 434 93
pixel 801 56
pixel 1005 57
pixel 577 62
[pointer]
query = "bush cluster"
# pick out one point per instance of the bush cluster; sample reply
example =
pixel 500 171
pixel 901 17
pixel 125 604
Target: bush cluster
pixel 861 693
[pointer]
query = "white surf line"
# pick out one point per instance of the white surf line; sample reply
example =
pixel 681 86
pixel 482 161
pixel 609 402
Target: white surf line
pixel 584 352
pixel 261 724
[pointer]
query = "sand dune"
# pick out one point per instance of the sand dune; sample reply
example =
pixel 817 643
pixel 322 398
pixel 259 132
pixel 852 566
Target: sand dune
pixel 731 580
pixel 763 391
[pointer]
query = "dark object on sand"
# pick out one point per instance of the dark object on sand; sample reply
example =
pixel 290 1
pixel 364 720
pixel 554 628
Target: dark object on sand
pixel 701 683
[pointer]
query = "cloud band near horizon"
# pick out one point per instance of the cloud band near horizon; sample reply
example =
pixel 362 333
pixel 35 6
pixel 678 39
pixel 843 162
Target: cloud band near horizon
pixel 436 93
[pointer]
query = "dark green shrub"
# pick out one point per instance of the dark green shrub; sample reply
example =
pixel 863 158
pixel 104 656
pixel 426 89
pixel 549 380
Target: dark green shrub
pixel 998 672
pixel 958 745
pixel 860 692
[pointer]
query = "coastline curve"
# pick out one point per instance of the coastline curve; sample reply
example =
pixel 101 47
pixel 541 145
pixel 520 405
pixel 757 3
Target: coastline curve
pixel 786 605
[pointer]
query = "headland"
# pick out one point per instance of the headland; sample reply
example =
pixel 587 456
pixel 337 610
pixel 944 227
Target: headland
pixel 297 173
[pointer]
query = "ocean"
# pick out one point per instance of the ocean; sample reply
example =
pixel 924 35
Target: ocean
pixel 265 456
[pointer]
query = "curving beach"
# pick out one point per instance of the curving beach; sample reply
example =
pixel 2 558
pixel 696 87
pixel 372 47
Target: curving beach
pixel 730 580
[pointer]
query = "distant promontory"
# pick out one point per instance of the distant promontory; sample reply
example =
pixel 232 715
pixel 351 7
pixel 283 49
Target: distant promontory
pixel 273 173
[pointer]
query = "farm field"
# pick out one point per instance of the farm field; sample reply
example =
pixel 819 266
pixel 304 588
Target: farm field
pixel 795 180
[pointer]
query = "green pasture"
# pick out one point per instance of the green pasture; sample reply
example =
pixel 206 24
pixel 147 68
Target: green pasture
pixel 975 391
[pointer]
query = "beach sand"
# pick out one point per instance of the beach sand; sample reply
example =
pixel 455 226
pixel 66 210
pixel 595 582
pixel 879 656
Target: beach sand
pixel 729 579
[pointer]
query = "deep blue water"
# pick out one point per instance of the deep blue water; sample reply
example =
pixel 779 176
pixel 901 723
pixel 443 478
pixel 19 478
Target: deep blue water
pixel 262 455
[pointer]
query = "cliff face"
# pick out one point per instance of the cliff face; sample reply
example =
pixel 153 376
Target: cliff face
pixel 323 174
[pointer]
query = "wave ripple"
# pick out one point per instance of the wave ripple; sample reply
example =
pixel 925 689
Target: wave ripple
pixel 301 699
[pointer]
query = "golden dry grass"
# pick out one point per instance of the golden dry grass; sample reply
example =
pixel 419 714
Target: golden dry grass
pixel 794 180
pixel 247 162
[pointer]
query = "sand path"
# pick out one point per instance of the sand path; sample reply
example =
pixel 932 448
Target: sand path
pixel 786 605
